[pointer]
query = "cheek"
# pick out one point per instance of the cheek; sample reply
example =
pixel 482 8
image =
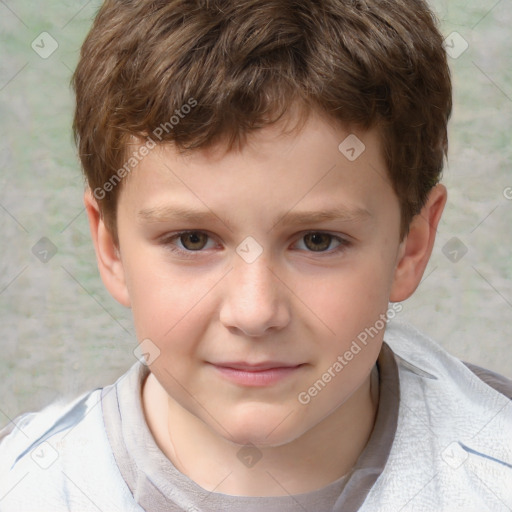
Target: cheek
pixel 166 303
pixel 347 300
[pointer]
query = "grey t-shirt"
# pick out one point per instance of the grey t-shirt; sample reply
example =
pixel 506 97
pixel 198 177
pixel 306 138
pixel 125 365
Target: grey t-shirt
pixel 157 485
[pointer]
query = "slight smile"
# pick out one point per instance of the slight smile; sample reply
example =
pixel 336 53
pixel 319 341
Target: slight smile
pixel 263 374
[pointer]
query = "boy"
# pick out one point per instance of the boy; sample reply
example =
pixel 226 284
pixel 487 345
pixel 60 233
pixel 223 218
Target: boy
pixel 263 192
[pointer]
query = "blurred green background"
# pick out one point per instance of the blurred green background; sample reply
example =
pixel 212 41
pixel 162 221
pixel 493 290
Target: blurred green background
pixel 60 331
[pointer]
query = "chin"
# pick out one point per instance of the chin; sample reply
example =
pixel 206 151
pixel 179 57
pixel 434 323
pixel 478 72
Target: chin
pixel 263 428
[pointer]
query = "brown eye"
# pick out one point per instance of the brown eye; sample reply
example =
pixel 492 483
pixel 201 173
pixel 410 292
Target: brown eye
pixel 317 241
pixel 193 241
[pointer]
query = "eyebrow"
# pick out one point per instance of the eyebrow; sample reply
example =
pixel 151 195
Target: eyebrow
pixel 315 216
pixel 169 213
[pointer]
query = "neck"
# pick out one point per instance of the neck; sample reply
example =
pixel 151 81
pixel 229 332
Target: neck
pixel 320 456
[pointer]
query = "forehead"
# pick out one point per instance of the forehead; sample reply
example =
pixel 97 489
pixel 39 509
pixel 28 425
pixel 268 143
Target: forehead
pixel 277 168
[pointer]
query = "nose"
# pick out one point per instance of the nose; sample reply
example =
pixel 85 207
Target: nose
pixel 254 301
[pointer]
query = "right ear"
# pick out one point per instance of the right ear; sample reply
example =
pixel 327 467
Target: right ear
pixel 108 256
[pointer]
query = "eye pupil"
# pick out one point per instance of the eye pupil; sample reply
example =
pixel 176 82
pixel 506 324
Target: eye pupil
pixel 317 241
pixel 193 241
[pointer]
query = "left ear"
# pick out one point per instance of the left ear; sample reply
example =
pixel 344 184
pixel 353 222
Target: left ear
pixel 416 248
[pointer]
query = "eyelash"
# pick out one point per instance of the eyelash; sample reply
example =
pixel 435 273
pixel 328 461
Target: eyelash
pixel 168 243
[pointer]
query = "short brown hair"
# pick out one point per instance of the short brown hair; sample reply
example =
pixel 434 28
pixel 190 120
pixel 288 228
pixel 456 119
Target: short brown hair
pixel 242 65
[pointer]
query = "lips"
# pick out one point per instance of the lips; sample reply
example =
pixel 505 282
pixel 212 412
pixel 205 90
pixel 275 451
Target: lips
pixel 255 367
pixel 256 374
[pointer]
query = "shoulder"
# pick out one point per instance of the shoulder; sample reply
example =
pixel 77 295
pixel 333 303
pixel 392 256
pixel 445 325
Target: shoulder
pixel 60 459
pixel 498 382
pixel 418 354
pixel 24 434
pixel 456 426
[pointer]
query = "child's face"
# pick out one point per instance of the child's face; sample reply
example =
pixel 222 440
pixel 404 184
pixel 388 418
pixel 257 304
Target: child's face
pixel 217 311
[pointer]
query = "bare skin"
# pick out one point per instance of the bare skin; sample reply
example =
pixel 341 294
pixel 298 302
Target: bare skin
pixel 319 281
